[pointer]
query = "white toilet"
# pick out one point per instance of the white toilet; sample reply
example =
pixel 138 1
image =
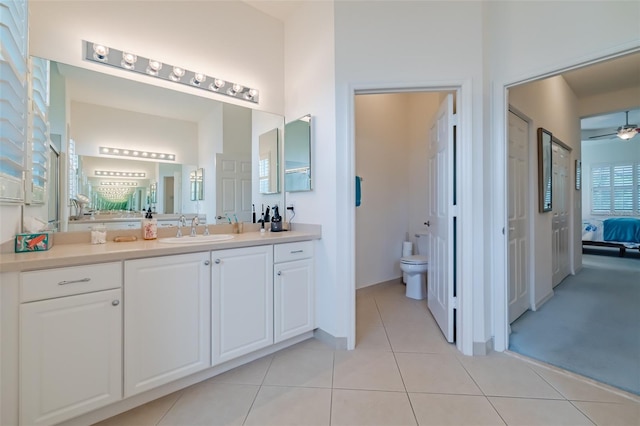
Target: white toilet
pixel 415 268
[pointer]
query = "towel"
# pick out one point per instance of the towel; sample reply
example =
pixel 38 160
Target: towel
pixel 358 191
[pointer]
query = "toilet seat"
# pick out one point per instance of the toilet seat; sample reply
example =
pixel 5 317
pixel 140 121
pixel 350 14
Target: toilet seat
pixel 414 260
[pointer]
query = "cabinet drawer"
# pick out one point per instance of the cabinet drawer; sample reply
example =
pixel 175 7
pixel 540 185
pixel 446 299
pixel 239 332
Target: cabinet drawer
pixel 292 251
pixel 50 283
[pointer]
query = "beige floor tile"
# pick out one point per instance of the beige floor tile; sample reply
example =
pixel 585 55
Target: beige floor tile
pixel 543 412
pixel 435 374
pixel 366 369
pixel 279 405
pixel 372 338
pixel 396 310
pixel 420 338
pixel 499 375
pixel 212 403
pixel 578 390
pixel 610 414
pixel 147 414
pixel 453 410
pixel 301 367
pixel 249 374
pixel 358 407
pixel 368 315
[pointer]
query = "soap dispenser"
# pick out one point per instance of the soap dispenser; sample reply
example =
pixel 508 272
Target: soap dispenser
pixel 276 220
pixel 149 226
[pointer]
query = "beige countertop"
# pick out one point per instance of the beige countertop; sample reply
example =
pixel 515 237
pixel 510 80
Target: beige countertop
pixel 73 253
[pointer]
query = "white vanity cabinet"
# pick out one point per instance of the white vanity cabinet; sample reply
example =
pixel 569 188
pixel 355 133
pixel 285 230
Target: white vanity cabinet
pixel 70 346
pixel 294 290
pixel 167 332
pixel 241 301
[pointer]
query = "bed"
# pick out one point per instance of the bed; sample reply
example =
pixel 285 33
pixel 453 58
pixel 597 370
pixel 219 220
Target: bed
pixel 618 232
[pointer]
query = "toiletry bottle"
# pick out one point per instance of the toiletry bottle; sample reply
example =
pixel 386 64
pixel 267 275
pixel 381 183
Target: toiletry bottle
pixel 149 226
pixel 276 220
pixel 267 218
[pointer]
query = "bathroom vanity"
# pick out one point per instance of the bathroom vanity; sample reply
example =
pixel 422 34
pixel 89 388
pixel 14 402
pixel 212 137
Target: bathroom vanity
pixel 94 330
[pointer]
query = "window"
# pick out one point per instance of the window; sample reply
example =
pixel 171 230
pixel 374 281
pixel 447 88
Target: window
pixel 263 173
pixel 615 189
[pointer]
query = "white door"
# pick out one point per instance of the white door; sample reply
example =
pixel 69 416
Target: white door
pixel 440 220
pixel 233 187
pixel 518 213
pixel 560 209
pixel 293 299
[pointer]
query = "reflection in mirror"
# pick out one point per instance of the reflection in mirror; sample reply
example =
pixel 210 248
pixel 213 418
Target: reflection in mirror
pixel 268 164
pixel 196 178
pixel 297 155
pixel 91 110
pixel 545 164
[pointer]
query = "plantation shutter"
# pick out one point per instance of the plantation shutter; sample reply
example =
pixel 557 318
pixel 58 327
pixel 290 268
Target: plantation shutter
pixel 601 188
pixel 623 188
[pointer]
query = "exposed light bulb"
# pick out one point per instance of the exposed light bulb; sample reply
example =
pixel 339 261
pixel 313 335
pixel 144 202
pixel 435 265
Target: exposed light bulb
pixel 100 52
pixel 177 74
pixel 198 78
pixel 217 84
pixel 128 60
pixel 153 67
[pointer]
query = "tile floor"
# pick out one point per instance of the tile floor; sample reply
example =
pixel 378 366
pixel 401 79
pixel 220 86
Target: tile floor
pixel 402 372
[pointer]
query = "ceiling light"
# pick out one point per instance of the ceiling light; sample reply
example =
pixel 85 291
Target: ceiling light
pixel 626 134
pixel 154 68
pixel 118 183
pixel 119 173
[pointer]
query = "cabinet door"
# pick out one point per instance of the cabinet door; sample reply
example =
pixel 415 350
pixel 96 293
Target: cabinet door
pixel 294 301
pixel 166 333
pixel 242 301
pixel 70 356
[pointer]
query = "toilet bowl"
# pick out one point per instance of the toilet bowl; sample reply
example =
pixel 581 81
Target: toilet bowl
pixel 415 268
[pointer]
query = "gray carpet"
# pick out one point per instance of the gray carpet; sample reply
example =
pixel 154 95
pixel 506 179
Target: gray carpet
pixel 591 326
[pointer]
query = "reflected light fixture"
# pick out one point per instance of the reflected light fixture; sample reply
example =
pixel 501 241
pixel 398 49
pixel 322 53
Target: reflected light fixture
pixel 133 153
pixel 120 173
pixel 129 61
pixel 116 183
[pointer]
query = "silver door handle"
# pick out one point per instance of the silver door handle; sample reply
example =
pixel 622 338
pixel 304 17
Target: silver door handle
pixel 115 302
pixel 279 273
pixel 83 280
pixel 207 263
pixel 217 261
pixel 296 251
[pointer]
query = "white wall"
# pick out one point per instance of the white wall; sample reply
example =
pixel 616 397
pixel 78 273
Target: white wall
pixel 309 67
pixel 551 104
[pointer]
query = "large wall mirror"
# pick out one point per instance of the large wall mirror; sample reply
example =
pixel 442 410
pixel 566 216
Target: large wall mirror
pixel 297 155
pixel 214 147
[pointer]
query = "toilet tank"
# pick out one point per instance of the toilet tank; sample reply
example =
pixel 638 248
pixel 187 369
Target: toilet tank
pixel 422 243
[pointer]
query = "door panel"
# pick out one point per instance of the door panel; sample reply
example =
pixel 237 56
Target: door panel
pixel 233 191
pixel 518 214
pixel 560 223
pixel 440 231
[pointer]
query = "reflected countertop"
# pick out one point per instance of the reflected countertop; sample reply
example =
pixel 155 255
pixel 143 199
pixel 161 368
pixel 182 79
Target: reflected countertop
pixel 74 248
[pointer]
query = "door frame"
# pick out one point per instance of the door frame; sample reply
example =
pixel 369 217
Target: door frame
pixel 463 211
pixel 498 156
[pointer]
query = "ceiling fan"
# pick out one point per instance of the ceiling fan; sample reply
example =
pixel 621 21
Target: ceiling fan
pixel 625 132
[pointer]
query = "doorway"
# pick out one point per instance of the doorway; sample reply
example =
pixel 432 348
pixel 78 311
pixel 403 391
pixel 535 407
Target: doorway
pixel 169 197
pixel 392 158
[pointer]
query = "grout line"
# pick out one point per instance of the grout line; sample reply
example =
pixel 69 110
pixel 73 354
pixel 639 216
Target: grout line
pixel 259 389
pixel 496 410
pixel 182 391
pixel 583 413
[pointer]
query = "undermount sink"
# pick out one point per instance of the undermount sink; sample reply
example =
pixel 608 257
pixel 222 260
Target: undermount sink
pixel 198 239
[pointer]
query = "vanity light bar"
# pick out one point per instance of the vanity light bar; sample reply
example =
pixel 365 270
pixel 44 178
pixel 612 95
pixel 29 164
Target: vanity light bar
pixel 112 183
pixel 102 54
pixel 118 173
pixel 136 153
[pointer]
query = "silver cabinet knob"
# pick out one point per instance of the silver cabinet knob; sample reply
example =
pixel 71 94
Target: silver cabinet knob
pixel 279 273
pixel 217 261
pixel 207 263
pixel 115 302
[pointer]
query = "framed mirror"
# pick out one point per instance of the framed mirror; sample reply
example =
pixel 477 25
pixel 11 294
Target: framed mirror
pixel 268 162
pixel 196 184
pixel 545 164
pixel 297 155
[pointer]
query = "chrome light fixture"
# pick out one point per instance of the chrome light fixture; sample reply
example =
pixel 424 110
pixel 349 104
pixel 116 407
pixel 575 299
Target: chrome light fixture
pixel 116 183
pixel 129 61
pixel 136 153
pixel 120 173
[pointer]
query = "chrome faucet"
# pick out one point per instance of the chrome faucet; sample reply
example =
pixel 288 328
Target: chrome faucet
pixel 181 222
pixel 194 223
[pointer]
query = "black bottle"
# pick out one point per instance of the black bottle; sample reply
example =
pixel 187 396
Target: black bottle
pixel 276 220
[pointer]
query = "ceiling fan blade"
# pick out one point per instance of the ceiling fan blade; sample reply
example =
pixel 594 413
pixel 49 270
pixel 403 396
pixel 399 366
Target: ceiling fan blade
pixel 608 136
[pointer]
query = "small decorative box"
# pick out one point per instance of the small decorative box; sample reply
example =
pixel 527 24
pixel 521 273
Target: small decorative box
pixel 34 242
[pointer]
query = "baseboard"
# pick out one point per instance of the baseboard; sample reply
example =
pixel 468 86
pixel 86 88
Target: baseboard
pixel 542 301
pixel 483 348
pixel 338 343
